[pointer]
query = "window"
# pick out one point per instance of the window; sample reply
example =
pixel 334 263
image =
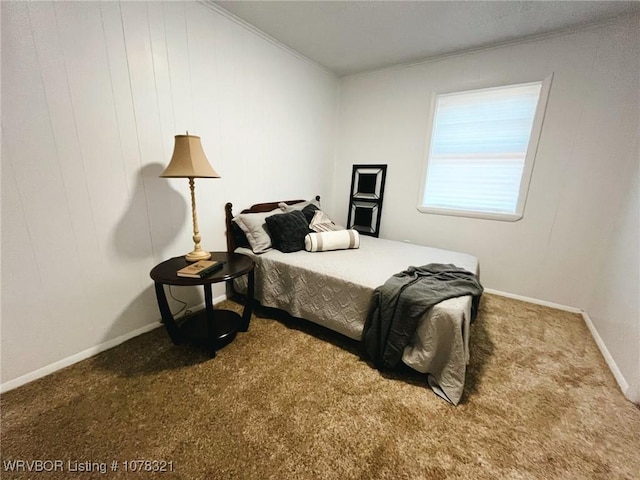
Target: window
pixel 481 151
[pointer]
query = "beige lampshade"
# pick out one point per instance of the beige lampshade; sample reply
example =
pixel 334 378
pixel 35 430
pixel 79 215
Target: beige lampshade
pixel 189 160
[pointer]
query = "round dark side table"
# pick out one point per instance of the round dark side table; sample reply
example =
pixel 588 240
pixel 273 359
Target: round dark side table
pixel 212 328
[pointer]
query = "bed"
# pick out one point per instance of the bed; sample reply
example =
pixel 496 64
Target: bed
pixel 335 288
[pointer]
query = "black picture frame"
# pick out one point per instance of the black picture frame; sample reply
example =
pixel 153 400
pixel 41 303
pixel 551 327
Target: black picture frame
pixel 365 198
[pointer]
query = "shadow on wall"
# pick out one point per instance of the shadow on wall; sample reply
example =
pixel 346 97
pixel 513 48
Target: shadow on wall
pixel 155 216
pixel 150 352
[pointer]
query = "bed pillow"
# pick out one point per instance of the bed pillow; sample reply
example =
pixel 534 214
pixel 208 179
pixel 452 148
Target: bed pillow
pixel 239 238
pixel 322 223
pixel 337 240
pixel 254 227
pixel 309 211
pixel 298 206
pixel 308 208
pixel 288 230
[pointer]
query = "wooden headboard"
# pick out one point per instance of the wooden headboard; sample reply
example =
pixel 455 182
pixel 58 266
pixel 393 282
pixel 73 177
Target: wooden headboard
pixel 257 208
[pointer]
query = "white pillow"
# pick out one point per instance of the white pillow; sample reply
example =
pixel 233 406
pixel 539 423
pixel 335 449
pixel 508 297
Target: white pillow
pixel 336 240
pixel 254 227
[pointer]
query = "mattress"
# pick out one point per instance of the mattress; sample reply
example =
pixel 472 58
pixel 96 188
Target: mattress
pixel 335 288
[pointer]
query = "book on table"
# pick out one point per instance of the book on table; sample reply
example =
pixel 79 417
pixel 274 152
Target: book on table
pixel 200 269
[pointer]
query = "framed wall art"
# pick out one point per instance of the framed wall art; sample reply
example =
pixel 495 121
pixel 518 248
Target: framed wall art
pixel 365 198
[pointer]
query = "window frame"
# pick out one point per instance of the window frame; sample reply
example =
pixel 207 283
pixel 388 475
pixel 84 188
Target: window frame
pixel 532 149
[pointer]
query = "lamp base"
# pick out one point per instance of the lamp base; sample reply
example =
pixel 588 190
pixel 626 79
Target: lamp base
pixel 197 255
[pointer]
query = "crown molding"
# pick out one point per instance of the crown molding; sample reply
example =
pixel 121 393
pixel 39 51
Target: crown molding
pixel 211 5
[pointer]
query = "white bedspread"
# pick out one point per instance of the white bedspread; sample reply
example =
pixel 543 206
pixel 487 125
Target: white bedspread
pixel 334 289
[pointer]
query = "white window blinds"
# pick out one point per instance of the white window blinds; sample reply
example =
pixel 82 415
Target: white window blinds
pixel 479 150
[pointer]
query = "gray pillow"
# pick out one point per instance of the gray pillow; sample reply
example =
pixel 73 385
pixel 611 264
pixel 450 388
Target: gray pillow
pixel 255 228
pixel 298 206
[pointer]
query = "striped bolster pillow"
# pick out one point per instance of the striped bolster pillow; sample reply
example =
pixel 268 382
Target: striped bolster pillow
pixel 336 240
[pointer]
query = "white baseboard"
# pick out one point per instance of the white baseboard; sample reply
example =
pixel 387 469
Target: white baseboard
pixel 65 362
pixel 629 392
pixel 89 352
pixel 622 382
pixel 633 394
pixel 534 301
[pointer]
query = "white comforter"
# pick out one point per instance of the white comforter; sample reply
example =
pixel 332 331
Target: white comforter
pixel 334 289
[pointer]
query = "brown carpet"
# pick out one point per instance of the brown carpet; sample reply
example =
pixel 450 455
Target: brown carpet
pixel 289 400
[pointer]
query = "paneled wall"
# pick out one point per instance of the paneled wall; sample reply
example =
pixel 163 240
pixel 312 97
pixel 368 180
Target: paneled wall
pixel 92 95
pixel 580 225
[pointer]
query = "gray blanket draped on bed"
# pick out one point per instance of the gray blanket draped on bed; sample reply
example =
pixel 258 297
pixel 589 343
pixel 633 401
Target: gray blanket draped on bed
pixel 405 298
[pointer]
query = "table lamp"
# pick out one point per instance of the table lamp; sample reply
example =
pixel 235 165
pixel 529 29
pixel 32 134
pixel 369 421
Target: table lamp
pixel 189 161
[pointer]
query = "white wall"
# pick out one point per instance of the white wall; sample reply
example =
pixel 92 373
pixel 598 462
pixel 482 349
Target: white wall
pixel 564 250
pixel 614 307
pixel 92 95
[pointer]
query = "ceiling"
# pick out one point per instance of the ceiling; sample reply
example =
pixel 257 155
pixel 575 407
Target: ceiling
pixel 349 37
